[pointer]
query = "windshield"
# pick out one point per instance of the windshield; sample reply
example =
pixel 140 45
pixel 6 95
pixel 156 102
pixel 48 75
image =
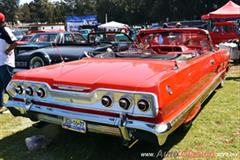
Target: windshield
pixel 26 38
pixel 44 37
pixel 83 31
pixel 188 39
pixel 79 37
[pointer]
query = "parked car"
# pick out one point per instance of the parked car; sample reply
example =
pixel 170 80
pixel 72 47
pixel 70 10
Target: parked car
pixel 119 41
pixel 56 54
pixel 85 32
pixel 24 40
pixel 224 32
pixel 147 91
pixel 46 39
pixel 19 33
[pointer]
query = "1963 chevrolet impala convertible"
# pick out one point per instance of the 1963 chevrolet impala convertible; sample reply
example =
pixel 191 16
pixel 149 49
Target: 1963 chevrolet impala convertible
pixel 147 91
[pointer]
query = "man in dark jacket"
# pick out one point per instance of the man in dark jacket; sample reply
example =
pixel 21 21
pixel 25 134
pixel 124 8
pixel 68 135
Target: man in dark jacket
pixel 7 58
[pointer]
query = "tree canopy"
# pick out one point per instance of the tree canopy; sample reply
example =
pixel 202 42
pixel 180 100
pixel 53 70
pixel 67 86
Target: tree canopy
pixel 126 11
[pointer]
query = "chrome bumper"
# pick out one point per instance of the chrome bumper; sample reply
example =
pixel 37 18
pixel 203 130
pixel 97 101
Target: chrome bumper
pixel 118 126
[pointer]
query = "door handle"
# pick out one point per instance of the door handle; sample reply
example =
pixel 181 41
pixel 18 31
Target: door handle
pixel 212 61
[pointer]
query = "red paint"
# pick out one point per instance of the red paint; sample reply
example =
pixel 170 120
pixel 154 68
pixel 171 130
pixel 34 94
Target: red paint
pixel 223 32
pixel 189 80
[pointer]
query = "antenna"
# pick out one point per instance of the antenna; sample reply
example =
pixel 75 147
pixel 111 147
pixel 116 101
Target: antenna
pixel 176 66
pixel 58 51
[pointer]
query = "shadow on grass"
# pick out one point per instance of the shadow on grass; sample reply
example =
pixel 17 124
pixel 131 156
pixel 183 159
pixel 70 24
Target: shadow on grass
pixel 233 78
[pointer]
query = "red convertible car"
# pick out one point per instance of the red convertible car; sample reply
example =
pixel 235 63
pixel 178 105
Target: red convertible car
pixel 146 92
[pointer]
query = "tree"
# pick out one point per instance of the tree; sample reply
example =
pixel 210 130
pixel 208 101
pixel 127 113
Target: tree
pixel 126 11
pixel 8 7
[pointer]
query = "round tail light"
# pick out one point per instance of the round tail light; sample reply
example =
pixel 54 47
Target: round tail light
pixel 41 93
pixel 29 91
pixel 19 90
pixel 143 105
pixel 124 103
pixel 106 101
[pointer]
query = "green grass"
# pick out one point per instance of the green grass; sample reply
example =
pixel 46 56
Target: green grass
pixel 215 134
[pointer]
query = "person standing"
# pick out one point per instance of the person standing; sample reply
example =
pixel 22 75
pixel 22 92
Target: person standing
pixel 7 58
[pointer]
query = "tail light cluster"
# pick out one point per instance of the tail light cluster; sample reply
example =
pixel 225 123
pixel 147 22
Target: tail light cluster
pixel 30 91
pixel 142 104
pixel 126 102
pixel 106 101
pixel 19 90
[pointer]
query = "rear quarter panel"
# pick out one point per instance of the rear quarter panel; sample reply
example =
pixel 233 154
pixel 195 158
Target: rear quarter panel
pixel 183 85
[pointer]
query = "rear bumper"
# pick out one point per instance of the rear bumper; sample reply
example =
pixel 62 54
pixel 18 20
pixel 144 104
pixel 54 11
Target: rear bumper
pixel 117 126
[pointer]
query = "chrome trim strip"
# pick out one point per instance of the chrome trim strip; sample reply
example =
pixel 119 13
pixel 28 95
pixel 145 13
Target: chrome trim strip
pixel 72 88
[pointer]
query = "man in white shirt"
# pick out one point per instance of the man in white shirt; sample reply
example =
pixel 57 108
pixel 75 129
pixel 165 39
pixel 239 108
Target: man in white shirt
pixel 7 57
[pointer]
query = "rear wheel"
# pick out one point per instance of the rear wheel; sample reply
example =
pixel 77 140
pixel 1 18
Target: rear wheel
pixel 36 62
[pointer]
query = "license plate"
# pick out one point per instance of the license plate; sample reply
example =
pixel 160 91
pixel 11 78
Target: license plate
pixel 74 124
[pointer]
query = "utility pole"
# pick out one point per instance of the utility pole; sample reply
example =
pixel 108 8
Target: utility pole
pixel 106 18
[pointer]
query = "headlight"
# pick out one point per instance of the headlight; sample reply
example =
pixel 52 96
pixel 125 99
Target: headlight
pixel 143 105
pixel 106 101
pixel 19 90
pixel 41 93
pixel 124 103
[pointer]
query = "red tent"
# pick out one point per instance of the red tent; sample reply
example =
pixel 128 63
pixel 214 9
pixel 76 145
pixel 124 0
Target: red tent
pixel 229 10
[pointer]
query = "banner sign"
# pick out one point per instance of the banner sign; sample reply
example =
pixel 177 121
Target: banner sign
pixel 74 23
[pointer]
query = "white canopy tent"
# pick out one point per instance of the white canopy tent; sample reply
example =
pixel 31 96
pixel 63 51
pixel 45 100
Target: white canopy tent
pixel 113 26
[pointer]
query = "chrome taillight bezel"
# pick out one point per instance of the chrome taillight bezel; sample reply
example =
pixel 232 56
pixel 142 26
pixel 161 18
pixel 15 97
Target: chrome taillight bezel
pixel 19 89
pixel 41 93
pixel 107 101
pixel 29 91
pixel 126 100
pixel 144 102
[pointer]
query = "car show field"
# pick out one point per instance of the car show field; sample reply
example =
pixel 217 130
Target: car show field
pixel 214 134
pixel 119 80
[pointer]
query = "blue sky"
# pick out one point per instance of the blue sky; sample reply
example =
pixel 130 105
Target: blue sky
pixel 27 1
